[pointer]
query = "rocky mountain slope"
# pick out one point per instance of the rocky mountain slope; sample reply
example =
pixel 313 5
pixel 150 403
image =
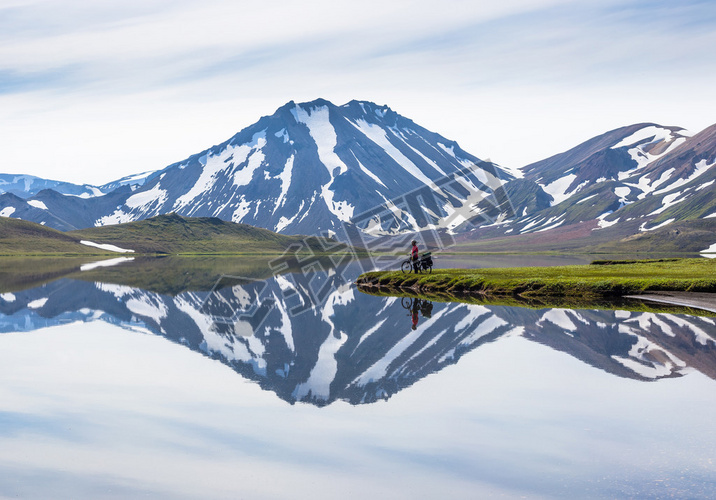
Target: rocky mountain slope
pixel 307 168
pixel 619 185
pixel 316 167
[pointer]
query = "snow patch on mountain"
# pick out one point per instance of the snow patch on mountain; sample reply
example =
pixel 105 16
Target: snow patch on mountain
pixel 551 224
pixel 654 132
pixel 427 160
pixel 37 204
pixel 7 211
pixel 243 176
pixel 585 199
pixel 370 174
pixel 282 134
pixel 215 164
pixel 644 158
pixel 602 223
pixel 643 227
pixel 285 178
pixel 558 188
pixel 379 136
pixel 669 201
pixel 119 216
pixel 242 210
pixel 699 169
pixel 647 186
pixel 105 246
pixel 145 199
pixel 622 192
pixel 324 135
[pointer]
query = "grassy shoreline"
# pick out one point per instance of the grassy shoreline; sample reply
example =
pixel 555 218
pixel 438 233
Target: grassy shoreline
pixel 605 279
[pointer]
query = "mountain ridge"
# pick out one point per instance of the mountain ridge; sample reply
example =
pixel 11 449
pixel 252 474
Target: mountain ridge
pixel 318 168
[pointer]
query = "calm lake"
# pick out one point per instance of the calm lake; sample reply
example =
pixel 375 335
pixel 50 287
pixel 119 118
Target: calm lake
pixel 221 378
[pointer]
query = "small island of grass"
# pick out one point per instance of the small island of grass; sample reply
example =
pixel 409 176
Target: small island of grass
pixel 596 281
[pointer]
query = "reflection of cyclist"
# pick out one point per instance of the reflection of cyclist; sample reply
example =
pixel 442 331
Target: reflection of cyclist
pixel 416 308
pixel 414 256
pixel 426 309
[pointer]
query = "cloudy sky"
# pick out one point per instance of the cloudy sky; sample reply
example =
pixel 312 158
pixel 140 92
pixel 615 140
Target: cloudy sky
pixel 92 91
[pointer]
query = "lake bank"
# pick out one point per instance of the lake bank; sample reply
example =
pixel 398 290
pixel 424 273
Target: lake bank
pixel 566 285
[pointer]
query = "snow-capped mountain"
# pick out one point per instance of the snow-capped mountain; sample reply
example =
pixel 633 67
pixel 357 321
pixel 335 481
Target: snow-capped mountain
pixel 313 167
pixel 58 211
pixel 357 347
pixel 26 186
pixel 134 181
pixel 316 167
pixel 619 155
pixel 62 205
pixel 628 181
pixel 309 168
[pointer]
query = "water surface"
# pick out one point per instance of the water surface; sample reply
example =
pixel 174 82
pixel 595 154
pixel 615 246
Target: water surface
pixel 297 384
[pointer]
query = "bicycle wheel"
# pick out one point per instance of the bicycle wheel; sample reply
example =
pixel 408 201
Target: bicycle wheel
pixel 406 302
pixel 430 269
pixel 406 266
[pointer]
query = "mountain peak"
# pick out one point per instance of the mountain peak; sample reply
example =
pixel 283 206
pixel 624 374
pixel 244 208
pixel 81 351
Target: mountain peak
pixel 310 167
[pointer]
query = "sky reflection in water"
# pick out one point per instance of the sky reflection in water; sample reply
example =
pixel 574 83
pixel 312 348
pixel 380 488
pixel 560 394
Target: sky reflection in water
pixel 476 401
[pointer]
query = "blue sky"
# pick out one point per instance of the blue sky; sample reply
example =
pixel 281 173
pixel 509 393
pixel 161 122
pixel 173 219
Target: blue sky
pixel 92 91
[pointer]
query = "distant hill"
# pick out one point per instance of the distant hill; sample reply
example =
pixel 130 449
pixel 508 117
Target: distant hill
pixel 174 233
pixel 167 234
pixel 27 238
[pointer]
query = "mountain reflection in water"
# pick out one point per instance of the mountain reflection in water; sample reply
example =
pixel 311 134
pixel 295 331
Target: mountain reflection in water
pixel 356 347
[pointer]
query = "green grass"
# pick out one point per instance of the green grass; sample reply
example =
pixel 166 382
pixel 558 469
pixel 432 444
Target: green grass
pixel 174 234
pixel 165 234
pixel 19 237
pixel 613 279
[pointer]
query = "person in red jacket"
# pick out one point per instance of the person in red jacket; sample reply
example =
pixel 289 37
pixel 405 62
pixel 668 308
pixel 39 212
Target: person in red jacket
pixel 414 256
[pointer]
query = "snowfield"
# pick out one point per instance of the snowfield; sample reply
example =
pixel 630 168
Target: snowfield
pixel 106 246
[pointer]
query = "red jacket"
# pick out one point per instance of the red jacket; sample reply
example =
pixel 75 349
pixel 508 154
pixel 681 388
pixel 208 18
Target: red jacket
pixel 415 252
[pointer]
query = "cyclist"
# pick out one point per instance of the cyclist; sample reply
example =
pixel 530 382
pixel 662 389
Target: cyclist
pixel 414 256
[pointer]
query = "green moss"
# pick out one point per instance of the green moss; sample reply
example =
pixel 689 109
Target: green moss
pixel 600 280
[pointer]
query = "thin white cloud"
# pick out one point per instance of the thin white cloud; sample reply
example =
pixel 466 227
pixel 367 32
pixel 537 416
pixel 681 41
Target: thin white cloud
pixel 137 85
